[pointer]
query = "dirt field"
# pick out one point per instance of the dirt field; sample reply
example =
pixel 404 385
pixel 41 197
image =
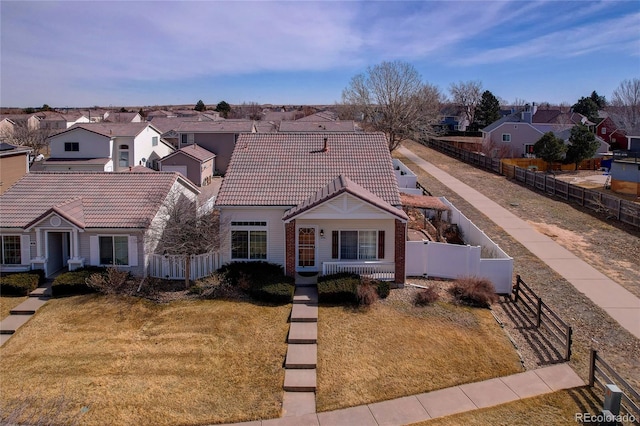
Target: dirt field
pixel 612 248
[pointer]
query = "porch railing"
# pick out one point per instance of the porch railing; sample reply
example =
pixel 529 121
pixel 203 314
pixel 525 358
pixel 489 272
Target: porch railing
pixel 375 269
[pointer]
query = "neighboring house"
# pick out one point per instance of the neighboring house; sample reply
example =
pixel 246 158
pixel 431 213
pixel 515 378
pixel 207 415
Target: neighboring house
pixel 321 116
pixel 609 131
pixel 515 134
pixel 193 162
pixel 314 202
pixel 106 147
pixel 218 137
pixel 14 164
pixel 122 117
pixel 318 126
pixel 52 120
pixel 53 221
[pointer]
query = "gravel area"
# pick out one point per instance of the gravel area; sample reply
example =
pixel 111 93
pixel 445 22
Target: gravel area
pixel 610 247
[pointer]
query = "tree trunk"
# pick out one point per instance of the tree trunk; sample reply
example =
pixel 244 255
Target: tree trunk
pixel 187 272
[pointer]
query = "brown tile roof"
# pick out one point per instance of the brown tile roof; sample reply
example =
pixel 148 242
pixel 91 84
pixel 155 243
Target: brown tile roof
pixel 91 200
pixel 320 116
pixel 112 129
pixel 194 151
pixel 285 169
pixel 338 186
pixel 223 126
pixel 76 161
pixel 317 126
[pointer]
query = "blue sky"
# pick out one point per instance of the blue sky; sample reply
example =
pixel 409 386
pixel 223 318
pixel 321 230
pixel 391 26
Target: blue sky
pixel 67 53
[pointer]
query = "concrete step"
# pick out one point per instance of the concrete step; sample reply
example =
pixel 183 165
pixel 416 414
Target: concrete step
pixel 301 356
pixel 296 404
pixel 303 332
pixel 10 324
pixel 306 281
pixel 4 338
pixel 296 380
pixel 302 312
pixel 29 306
pixel 44 291
pixel 308 295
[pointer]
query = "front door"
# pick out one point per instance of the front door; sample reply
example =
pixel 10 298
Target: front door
pixel 306 248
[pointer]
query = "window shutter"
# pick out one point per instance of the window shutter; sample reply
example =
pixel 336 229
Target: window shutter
pixel 94 250
pixel 334 244
pixel 133 250
pixel 25 249
pixel 380 244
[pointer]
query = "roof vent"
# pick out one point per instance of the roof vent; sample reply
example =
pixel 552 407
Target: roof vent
pixel 325 148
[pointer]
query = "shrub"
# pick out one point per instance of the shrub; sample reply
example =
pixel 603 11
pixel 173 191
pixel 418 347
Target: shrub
pixel 474 291
pixel 425 297
pixel 263 281
pixel 74 282
pixel 21 283
pixel 112 281
pixel 281 292
pixel 384 288
pixel 366 294
pixel 338 288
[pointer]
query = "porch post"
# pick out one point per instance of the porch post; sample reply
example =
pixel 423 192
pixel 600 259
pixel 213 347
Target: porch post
pixel 400 242
pixel 290 248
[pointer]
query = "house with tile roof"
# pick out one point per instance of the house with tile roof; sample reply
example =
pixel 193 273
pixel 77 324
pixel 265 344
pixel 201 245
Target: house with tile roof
pixel 218 137
pixel 318 126
pixel 14 163
pixel 109 147
pixel 514 135
pixel 314 202
pixel 193 162
pixel 54 220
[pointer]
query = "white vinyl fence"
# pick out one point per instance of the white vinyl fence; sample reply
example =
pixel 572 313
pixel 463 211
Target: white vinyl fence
pixel 173 267
pixel 432 259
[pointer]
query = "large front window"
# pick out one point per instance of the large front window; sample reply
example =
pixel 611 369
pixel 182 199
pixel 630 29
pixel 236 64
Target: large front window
pixel 360 245
pixel 248 240
pixel 11 250
pixel 114 250
pixel 123 159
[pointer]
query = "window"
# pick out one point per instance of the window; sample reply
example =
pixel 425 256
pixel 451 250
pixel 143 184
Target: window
pixel 114 250
pixel 506 137
pixel 71 146
pixel 248 240
pixel 123 160
pixel 11 250
pixel 528 149
pixel 154 141
pixel 603 131
pixel 358 245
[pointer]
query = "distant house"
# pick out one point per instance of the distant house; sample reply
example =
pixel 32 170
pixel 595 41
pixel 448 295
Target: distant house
pixel 53 120
pixel 515 134
pixel 314 202
pixel 320 116
pixel 122 117
pixel 14 164
pixel 193 162
pixel 318 126
pixel 53 221
pixel 612 132
pixel 218 137
pixel 106 147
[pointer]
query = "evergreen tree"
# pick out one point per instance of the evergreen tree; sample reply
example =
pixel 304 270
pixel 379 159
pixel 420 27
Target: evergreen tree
pixel 223 108
pixel 488 110
pixel 582 145
pixel 550 148
pixel 200 106
pixel 599 100
pixel 587 107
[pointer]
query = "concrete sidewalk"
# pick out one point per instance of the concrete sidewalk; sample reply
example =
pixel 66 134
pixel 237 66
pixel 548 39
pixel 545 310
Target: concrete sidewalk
pixel 618 302
pixel 444 402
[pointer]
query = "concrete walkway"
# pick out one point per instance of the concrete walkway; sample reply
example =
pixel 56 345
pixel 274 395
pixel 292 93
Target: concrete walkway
pixel 618 302
pixel 444 402
pixel 24 311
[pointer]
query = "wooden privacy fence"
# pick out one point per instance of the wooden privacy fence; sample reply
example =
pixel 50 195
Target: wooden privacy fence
pixel 615 207
pixel 543 316
pixel 602 373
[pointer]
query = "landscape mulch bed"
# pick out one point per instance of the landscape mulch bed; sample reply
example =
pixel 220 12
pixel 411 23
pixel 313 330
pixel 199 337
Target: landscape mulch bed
pixel 608 246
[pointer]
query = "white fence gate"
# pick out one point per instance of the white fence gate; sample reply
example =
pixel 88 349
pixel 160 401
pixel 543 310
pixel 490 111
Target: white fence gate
pixel 172 267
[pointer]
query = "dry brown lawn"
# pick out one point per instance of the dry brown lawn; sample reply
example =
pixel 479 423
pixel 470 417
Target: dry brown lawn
pixel 395 349
pixel 558 408
pixel 8 303
pixel 121 360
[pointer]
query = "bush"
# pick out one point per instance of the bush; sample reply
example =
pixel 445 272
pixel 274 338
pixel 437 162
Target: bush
pixel 425 297
pixel 21 283
pixel 366 294
pixel 263 281
pixel 112 281
pixel 338 288
pixel 281 292
pixel 384 288
pixel 474 291
pixel 75 282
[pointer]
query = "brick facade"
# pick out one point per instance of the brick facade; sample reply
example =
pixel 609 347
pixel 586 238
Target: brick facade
pixel 400 247
pixel 290 248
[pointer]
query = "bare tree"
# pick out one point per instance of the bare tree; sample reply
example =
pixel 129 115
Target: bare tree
pixel 22 134
pixel 391 98
pixel 182 229
pixel 625 104
pixel 467 95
